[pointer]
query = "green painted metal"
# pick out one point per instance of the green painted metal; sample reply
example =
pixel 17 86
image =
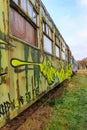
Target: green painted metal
pixel 26 71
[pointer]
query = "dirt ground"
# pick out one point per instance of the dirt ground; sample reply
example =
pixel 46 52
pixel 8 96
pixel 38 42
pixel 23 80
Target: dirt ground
pixel 37 120
pixel 81 71
pixel 40 117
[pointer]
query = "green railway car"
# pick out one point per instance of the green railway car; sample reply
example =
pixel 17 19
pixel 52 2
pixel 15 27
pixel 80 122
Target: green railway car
pixel 34 57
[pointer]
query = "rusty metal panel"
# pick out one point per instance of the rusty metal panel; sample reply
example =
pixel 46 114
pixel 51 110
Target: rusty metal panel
pixel 30 33
pixel 17 24
pixel 21 28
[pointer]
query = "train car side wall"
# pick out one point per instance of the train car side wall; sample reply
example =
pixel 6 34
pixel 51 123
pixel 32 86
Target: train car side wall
pixel 32 61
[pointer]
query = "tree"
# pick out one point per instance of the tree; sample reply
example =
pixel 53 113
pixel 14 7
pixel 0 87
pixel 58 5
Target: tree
pixel 82 64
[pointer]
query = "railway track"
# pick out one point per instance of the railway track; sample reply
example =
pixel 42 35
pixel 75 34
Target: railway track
pixel 15 123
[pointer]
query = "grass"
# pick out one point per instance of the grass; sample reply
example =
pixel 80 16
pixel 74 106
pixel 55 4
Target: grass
pixel 70 110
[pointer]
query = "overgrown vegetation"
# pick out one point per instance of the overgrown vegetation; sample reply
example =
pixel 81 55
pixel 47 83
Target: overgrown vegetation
pixel 82 64
pixel 70 110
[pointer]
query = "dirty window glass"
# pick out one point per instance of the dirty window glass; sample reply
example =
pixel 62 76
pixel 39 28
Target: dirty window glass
pixel 23 4
pixel 30 10
pixel 63 55
pixel 47 45
pixel 34 16
pixel 50 33
pixel 57 51
pixel 43 26
pixel 32 13
pixel 47 30
pixel 16 1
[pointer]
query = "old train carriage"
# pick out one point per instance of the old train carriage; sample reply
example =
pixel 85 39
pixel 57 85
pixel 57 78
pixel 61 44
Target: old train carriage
pixel 34 57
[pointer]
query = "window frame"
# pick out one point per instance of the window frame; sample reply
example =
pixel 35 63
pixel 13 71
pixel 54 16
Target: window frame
pixel 16 2
pixel 27 18
pixel 57 41
pixel 63 55
pixel 46 50
pixel 21 2
pixel 26 11
pixel 56 46
pixel 46 30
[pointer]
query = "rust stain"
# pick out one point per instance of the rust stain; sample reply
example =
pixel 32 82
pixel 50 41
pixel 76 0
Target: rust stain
pixel 32 81
pixel 23 78
pixel 18 95
pixel 8 82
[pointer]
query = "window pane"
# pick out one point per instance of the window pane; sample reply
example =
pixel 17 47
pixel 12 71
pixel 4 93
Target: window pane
pixel 22 29
pixel 34 16
pixel 47 45
pixel 30 10
pixel 24 4
pixel 30 34
pixel 63 55
pixel 17 23
pixel 43 27
pixel 57 51
pixel 16 1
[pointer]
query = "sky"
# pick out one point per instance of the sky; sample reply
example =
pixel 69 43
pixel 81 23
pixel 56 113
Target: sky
pixel 70 17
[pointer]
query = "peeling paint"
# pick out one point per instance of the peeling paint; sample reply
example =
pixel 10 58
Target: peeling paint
pixel 26 71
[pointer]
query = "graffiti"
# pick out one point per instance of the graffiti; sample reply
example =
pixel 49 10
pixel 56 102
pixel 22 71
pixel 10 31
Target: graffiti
pixel 4 108
pixel 53 75
pixel 3 73
pixel 18 70
pixel 2 79
pixel 26 53
pixel 22 100
pixel 17 63
pixel 50 73
pixel 26 98
pixel 5 44
pixel 36 59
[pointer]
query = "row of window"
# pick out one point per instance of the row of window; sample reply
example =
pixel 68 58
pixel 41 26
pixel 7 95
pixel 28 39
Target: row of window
pixel 47 40
pixel 22 29
pixel 48 47
pixel 28 8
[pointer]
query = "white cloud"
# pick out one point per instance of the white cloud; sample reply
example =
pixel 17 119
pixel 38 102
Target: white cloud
pixel 83 2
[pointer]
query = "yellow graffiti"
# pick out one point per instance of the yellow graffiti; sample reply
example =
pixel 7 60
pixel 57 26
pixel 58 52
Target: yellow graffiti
pixel 1 41
pixel 50 73
pixel 6 44
pixel 16 63
pixel 16 103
